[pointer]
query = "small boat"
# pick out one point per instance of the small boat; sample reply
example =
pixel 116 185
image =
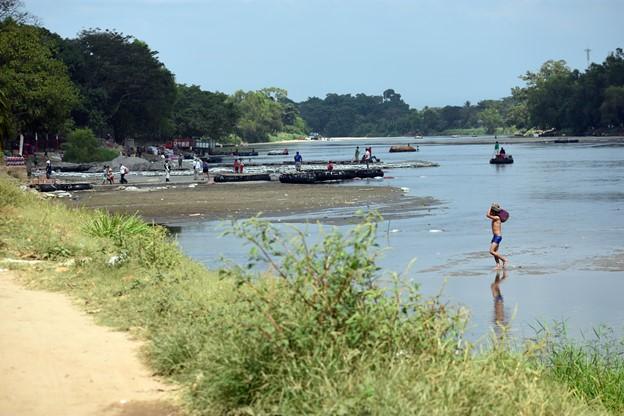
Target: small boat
pixel 278 152
pixel 402 148
pixel 212 159
pixel 501 160
pixel 242 177
pixel 319 176
pixel 566 141
pixel 51 187
pixel 246 154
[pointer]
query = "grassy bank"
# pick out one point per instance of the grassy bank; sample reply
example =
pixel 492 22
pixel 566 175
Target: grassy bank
pixel 315 336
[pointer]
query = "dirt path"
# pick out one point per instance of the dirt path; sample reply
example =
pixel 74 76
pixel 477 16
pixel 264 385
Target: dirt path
pixel 54 360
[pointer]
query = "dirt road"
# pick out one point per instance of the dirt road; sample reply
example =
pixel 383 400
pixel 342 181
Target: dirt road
pixel 54 360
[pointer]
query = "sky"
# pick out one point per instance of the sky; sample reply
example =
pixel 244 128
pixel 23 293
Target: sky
pixel 432 52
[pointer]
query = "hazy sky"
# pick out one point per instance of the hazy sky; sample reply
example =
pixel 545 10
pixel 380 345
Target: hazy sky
pixel 433 52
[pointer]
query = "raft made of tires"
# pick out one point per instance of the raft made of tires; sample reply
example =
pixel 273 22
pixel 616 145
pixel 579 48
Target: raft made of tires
pixel 502 160
pixel 402 148
pixel 242 177
pixel 327 176
pixel 51 187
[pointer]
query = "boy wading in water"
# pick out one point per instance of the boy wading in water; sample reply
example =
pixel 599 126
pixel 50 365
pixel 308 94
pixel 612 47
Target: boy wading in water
pixel 497 231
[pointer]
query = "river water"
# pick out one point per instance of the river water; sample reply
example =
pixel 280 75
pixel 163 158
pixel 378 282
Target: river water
pixel 564 239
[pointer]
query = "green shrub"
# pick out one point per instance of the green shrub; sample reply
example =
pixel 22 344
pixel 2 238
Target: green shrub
pixel 116 227
pixel 310 325
pixel 82 146
pixel 593 369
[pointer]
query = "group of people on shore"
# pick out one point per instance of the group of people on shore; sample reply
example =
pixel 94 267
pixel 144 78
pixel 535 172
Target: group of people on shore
pixel 108 176
pixel 239 166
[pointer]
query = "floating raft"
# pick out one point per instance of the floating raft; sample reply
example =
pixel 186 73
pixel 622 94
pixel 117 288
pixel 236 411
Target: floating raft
pixel 72 167
pixel 327 176
pixel 402 148
pixel 502 160
pixel 242 177
pixel 237 153
pixel 278 152
pixel 51 187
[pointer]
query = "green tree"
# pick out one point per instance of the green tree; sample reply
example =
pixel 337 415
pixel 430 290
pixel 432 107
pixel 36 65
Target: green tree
pixel 549 94
pixel 203 113
pixel 13 9
pixel 491 119
pixel 37 89
pixel 123 85
pixel 612 109
pixel 82 146
pixel 260 115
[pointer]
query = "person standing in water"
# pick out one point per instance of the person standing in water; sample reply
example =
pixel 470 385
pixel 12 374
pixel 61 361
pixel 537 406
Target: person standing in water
pixel 497 234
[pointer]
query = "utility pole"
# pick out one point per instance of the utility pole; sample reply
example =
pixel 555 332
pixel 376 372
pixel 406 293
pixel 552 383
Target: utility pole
pixel 587 51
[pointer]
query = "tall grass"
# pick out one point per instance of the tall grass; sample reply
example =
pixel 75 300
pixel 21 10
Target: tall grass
pixel 593 368
pixel 314 334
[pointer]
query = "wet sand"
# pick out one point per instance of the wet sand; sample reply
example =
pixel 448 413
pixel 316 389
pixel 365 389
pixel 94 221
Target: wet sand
pixel 180 203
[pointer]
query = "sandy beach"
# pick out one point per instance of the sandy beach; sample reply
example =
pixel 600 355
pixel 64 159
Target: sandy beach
pixel 182 203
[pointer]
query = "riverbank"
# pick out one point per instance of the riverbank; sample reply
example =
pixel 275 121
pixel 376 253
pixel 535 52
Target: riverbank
pixel 321 337
pixel 181 203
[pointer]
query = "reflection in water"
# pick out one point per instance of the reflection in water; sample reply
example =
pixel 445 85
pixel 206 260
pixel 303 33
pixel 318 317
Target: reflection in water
pixel 501 325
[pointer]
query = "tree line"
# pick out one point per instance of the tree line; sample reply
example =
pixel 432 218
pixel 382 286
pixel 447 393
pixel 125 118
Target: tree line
pixel 555 98
pixel 116 86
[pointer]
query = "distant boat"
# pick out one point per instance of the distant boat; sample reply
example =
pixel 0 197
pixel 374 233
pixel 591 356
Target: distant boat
pixel 277 152
pixel 502 159
pixel 402 148
pixel 316 136
pixel 566 141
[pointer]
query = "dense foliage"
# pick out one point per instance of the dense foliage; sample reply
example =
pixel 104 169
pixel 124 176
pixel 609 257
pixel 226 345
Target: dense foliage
pixel 199 113
pixel 36 92
pixel 82 146
pixel 125 90
pixel 266 112
pixel 389 115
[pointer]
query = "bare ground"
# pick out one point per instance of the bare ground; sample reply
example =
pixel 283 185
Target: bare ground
pixel 180 203
pixel 56 361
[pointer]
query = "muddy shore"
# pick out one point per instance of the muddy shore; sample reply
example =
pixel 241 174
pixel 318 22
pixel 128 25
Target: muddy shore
pixel 181 204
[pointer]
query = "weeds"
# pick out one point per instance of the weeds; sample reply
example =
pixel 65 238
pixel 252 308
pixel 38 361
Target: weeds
pixel 593 369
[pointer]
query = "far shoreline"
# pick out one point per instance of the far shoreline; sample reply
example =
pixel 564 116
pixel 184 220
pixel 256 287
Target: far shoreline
pixel 448 140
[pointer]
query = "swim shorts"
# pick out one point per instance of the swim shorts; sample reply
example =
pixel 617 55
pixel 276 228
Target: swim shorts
pixel 497 239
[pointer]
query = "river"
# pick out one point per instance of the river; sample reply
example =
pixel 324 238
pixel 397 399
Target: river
pixel 564 239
